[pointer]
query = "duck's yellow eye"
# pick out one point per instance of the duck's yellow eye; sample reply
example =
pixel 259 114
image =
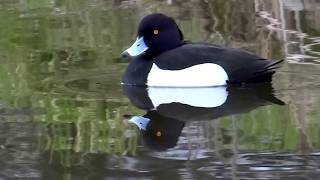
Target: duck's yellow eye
pixel 158 133
pixel 156 32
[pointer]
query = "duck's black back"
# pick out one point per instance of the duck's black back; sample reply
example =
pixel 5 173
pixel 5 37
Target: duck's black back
pixel 241 66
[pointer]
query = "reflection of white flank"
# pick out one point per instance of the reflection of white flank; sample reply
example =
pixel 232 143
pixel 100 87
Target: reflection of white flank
pixel 202 75
pixel 198 97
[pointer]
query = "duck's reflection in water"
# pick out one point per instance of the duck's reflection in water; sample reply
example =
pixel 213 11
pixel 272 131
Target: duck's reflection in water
pixel 168 109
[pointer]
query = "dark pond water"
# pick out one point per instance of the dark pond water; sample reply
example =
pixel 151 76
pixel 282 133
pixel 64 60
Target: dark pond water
pixel 64 114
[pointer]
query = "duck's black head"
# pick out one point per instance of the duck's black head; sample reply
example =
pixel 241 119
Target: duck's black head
pixel 156 33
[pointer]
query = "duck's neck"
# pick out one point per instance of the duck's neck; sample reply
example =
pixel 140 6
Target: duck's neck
pixel 153 53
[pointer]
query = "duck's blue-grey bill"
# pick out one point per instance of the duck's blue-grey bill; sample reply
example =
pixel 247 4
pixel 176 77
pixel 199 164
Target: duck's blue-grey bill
pixel 137 48
pixel 140 121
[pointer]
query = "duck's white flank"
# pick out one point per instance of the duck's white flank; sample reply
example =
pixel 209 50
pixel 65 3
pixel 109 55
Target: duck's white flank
pixel 207 97
pixel 202 75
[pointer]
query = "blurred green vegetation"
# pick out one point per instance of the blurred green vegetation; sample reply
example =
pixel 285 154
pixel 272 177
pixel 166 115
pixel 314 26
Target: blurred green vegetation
pixel 64 59
pixel 63 56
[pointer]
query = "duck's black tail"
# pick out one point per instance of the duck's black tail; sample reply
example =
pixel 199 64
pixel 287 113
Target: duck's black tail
pixel 270 67
pixel 264 74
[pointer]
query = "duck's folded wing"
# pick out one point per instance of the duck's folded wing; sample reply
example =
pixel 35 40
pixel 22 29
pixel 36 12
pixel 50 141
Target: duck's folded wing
pixel 241 66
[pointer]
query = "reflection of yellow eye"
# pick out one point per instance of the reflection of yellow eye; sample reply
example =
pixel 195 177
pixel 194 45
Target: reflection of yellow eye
pixel 156 32
pixel 158 133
